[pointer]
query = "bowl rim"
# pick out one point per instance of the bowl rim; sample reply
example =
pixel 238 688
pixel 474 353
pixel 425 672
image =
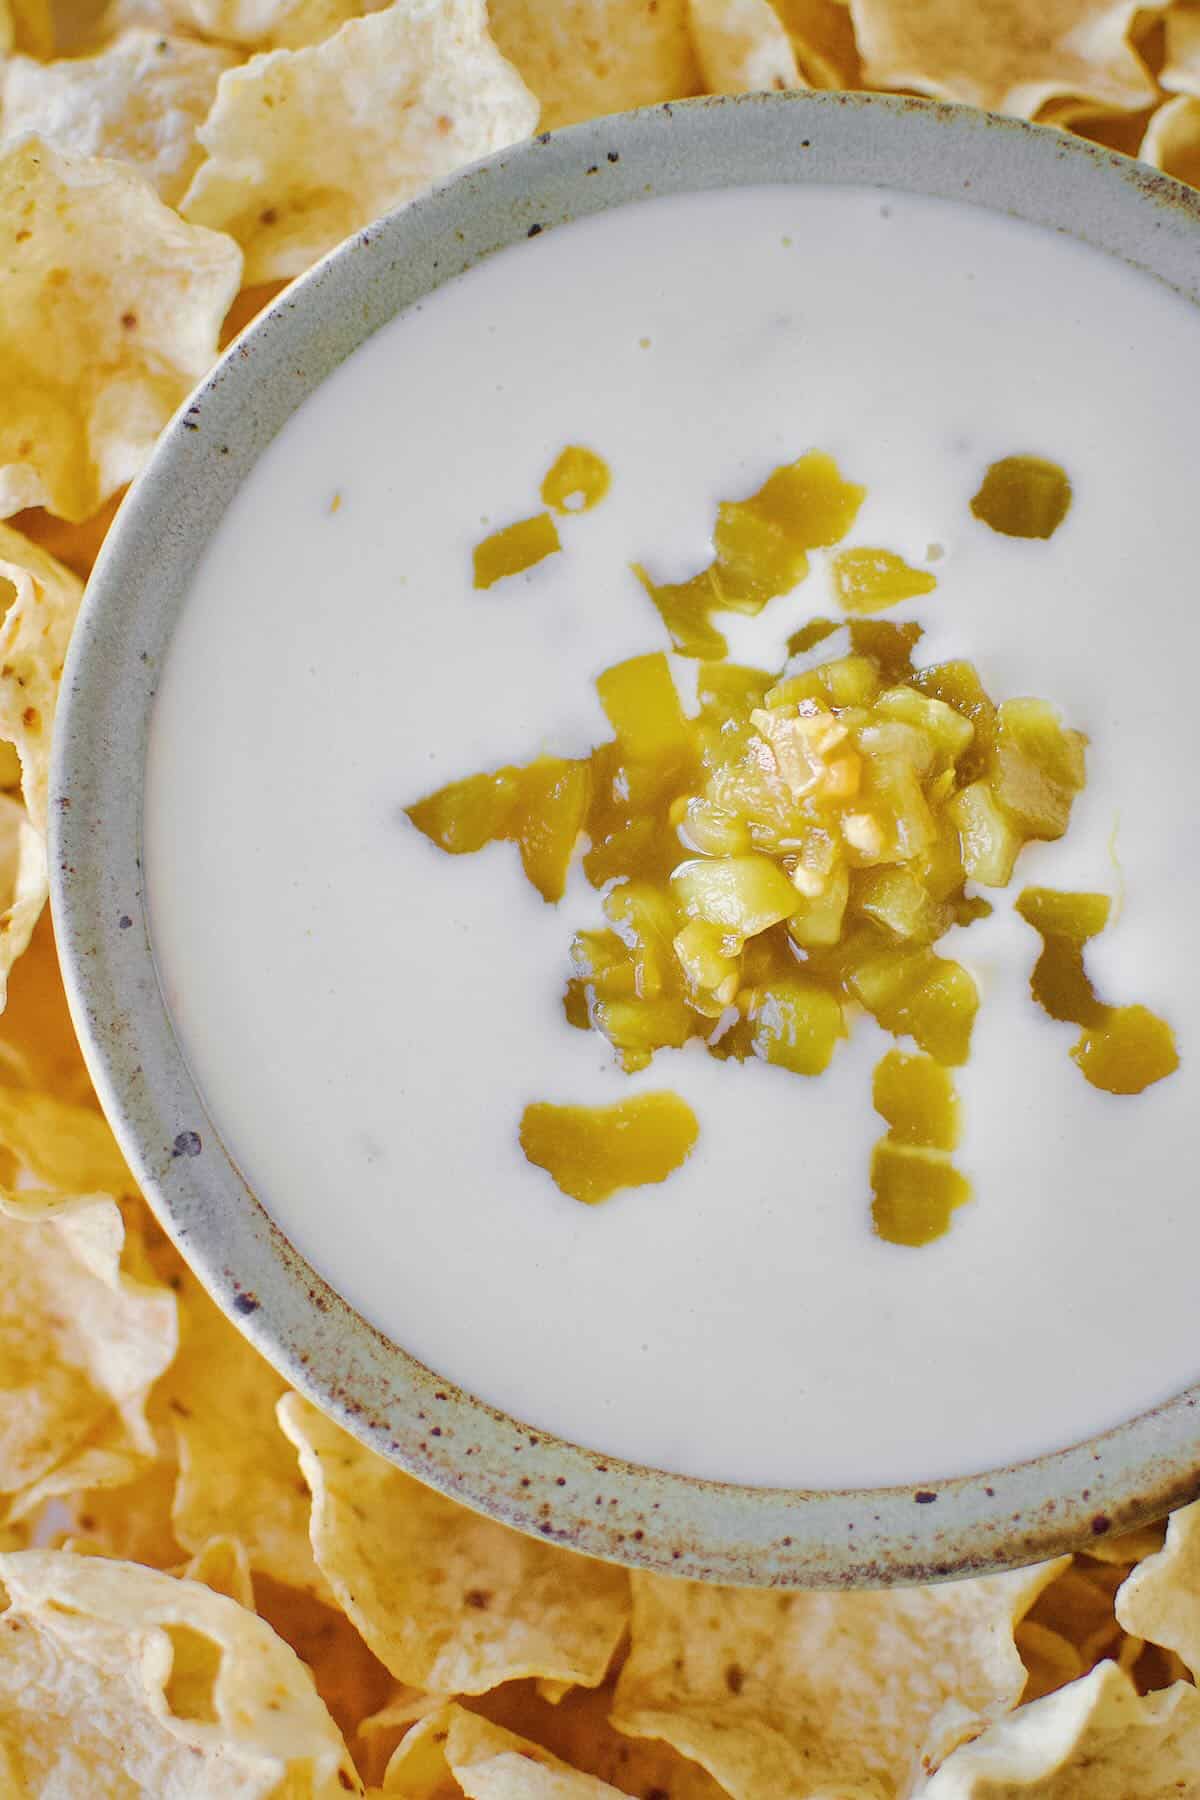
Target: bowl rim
pixel 526 1478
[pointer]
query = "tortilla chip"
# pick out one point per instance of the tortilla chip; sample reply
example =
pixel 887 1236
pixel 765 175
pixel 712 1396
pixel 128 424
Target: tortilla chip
pixel 585 58
pixel 242 24
pixel 138 102
pixel 81 1343
pixel 418 91
pixel 1079 1605
pixel 41 599
pixel 1094 1740
pixel 776 1693
pixel 24 886
pixel 822 34
pixel 1160 1600
pixel 27 26
pixel 245 1481
pixel 222 1565
pixel 1011 59
pixel 351 1681
pixel 1181 66
pixel 454 1752
pixel 131 1523
pixel 1050 1659
pixel 1115 131
pixel 111 309
pixel 144 1684
pixel 380 1733
pixel 76 547
pixel 37 1041
pixel 577 1730
pixel 449 1601
pixel 742 47
pixel 1172 140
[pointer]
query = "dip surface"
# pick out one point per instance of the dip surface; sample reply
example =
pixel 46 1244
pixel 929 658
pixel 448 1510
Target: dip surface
pixel 367 1018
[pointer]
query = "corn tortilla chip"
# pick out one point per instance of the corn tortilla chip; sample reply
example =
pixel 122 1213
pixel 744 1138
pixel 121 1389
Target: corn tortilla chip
pixel 138 102
pixel 41 599
pixel 822 35
pixel 1050 1659
pixel 1172 140
pixel 449 1601
pixel 81 1344
pixel 742 47
pixel 585 58
pixel 779 1693
pixel 380 1732
pixel 1012 59
pixel 1094 1740
pixel 132 1522
pixel 24 886
pixel 110 307
pixel 577 1730
pixel 245 1482
pixel 27 26
pixel 454 1752
pixel 223 1566
pixel 351 1681
pixel 243 24
pixel 1160 1600
pixel 144 1684
pixel 421 89
pixel 1181 66
pixel 76 547
pixel 37 1041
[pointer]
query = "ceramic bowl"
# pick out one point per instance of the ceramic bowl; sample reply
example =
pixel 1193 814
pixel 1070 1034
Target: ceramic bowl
pixel 446 1437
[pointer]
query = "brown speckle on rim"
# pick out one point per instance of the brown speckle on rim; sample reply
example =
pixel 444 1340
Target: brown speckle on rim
pixel 1100 1524
pixel 924 1497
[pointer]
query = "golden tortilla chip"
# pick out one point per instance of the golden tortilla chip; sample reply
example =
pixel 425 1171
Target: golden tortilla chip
pixel 223 1566
pixel 351 1681
pixel 778 1693
pixel 380 1733
pixel 40 600
pixel 24 886
pixel 243 24
pixel 81 1344
pixel 1079 1605
pixel 37 1041
pixel 138 102
pixel 454 1752
pixel 822 34
pixel 448 1600
pixel 245 1481
pixel 585 58
pixel 1094 1740
pixel 411 94
pixel 1050 1659
pixel 742 47
pixel 1181 67
pixel 76 547
pixel 1172 140
pixel 119 1680
pixel 578 1731
pixel 131 1522
pixel 1160 1600
pixel 27 26
pixel 110 307
pixel 1012 59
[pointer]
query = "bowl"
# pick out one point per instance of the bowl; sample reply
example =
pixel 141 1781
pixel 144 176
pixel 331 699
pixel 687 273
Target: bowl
pixel 640 1516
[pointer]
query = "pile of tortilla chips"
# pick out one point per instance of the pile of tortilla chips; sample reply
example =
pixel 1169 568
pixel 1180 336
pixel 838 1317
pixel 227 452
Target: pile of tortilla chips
pixel 187 1610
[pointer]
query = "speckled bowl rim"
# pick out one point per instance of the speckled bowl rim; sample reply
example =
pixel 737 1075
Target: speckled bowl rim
pixel 592 1503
